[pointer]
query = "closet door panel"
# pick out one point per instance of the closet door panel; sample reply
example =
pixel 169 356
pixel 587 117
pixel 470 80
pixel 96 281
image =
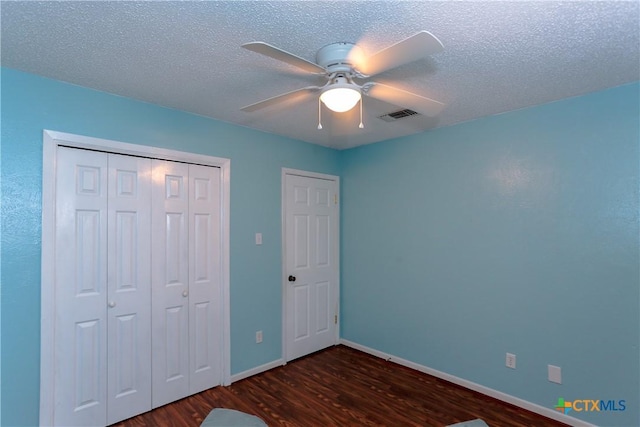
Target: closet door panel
pixel 81 288
pixel 129 287
pixel 205 321
pixel 170 281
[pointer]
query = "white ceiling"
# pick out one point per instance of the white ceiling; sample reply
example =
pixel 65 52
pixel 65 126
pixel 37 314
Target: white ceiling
pixel 499 56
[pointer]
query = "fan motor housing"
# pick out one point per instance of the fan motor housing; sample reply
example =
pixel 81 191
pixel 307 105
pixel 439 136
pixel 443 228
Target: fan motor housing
pixel 334 57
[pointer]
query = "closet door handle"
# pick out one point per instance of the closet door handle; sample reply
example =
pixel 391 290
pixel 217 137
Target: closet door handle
pixel 112 304
pixel 292 278
pixel 185 293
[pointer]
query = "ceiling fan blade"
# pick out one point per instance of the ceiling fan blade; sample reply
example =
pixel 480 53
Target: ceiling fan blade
pixel 404 99
pixel 284 56
pixel 408 50
pixel 280 98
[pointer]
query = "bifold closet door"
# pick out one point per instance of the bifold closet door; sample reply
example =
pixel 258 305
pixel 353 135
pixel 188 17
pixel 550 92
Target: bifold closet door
pixel 186 263
pixel 137 319
pixel 102 320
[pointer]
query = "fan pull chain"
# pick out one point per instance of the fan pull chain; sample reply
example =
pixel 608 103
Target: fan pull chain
pixel 319 114
pixel 361 125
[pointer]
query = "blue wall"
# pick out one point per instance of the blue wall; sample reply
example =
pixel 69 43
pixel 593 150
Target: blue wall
pixel 31 104
pixel 516 232
pixel 513 233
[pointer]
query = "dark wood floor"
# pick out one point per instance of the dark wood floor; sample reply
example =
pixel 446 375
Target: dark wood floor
pixel 343 387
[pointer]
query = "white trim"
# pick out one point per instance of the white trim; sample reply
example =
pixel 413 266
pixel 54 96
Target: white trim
pixel 48 274
pixel 99 144
pixel 51 141
pixel 317 175
pixel 225 223
pixel 257 370
pixel 299 172
pixel 283 259
pixel 516 401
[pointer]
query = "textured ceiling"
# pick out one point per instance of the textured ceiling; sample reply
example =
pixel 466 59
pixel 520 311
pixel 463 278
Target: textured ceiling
pixel 499 56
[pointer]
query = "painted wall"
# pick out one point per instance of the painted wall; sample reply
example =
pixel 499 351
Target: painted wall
pixel 31 104
pixel 516 232
pixel 513 233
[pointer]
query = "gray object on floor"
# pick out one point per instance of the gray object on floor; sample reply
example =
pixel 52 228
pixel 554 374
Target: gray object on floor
pixel 472 423
pixel 221 417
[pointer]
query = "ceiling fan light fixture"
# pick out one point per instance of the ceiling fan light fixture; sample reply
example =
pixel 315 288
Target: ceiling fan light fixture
pixel 340 97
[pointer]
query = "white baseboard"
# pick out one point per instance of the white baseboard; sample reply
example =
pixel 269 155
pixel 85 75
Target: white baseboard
pixel 257 370
pixel 516 401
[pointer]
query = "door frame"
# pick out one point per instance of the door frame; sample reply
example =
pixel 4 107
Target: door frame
pixel 51 141
pixel 336 248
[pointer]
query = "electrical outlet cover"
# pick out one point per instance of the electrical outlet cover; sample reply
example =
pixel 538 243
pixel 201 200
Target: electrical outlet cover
pixel 510 361
pixel 555 374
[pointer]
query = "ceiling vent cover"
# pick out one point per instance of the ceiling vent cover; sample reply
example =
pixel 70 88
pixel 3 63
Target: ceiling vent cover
pixel 397 115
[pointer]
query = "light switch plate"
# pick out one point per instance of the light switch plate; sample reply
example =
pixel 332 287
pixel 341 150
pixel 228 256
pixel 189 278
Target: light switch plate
pixel 258 238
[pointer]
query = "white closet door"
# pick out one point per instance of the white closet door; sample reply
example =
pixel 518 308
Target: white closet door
pixel 129 287
pixel 205 322
pixel 170 282
pixel 137 285
pixel 81 288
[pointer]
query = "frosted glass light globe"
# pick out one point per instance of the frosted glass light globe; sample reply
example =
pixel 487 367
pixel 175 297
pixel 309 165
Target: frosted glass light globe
pixel 340 98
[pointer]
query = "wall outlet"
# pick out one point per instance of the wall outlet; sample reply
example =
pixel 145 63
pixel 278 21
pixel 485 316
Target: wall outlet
pixel 555 374
pixel 511 361
pixel 258 337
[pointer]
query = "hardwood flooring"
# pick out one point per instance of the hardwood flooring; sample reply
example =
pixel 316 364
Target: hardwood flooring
pixel 341 386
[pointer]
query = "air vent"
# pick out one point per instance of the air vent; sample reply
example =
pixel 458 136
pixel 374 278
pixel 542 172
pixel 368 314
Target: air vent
pixel 397 115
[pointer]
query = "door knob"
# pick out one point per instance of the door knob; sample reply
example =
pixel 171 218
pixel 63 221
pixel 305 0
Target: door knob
pixel 112 304
pixel 292 278
pixel 185 294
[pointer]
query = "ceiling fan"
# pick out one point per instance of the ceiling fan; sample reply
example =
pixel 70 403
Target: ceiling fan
pixel 342 63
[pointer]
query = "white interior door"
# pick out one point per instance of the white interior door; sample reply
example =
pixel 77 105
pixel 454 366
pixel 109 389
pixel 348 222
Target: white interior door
pixel 311 273
pixel 81 289
pixel 129 287
pixel 170 278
